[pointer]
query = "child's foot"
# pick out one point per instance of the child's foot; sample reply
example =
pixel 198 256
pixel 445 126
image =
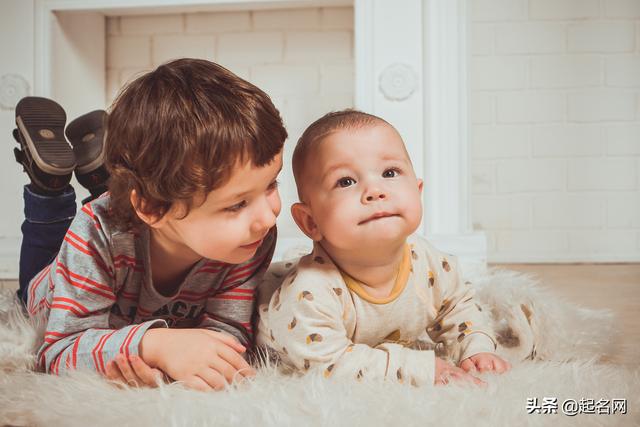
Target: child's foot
pixel 44 153
pixel 86 134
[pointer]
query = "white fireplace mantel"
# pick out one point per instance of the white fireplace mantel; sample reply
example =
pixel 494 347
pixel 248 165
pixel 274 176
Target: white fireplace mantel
pixel 411 69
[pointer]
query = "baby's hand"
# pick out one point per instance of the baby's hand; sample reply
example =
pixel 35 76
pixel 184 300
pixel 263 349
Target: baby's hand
pixel 133 372
pixel 485 362
pixel 446 371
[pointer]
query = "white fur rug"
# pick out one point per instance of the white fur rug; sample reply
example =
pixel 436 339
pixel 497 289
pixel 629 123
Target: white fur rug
pixel 568 341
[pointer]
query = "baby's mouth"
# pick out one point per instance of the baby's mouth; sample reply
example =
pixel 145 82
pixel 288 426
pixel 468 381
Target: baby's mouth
pixel 376 216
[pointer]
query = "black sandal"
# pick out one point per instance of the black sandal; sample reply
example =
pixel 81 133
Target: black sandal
pixel 86 134
pixel 45 154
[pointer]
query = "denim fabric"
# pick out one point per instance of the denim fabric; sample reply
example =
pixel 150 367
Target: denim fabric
pixel 47 219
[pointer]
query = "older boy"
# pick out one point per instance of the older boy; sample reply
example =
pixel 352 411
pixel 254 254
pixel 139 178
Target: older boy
pixel 160 272
pixel 371 295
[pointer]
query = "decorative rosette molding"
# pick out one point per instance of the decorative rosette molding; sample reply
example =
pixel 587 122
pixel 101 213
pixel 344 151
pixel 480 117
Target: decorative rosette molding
pixel 12 89
pixel 398 82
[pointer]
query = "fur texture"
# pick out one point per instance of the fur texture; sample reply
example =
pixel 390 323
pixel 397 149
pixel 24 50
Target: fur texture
pixel 554 348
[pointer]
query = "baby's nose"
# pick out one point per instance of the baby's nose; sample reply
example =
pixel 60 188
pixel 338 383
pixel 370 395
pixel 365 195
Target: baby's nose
pixel 374 195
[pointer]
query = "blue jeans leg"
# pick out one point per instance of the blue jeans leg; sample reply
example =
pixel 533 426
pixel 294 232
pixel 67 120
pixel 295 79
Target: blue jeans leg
pixel 47 219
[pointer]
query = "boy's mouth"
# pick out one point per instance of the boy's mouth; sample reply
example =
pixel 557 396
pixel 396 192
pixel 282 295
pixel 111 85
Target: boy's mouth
pixel 377 215
pixel 253 245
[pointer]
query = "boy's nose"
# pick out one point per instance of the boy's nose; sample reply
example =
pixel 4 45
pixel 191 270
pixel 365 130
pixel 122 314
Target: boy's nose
pixel 265 220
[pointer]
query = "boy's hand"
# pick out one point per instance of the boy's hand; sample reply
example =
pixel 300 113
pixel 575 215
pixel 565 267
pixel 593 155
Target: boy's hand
pixel 485 362
pixel 201 359
pixel 133 372
pixel 446 371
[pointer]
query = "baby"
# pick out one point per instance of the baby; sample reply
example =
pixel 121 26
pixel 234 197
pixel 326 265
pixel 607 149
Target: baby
pixel 373 299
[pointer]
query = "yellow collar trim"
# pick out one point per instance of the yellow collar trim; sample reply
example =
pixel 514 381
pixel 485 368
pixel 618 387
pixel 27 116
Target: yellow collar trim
pixel 401 281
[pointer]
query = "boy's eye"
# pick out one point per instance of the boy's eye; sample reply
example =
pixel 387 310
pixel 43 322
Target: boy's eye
pixel 275 184
pixel 346 182
pixel 390 173
pixel 236 207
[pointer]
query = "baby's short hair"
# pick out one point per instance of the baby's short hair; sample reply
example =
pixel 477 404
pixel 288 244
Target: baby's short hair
pixel 320 129
pixel 178 131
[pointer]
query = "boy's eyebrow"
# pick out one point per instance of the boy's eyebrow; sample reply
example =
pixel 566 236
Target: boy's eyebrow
pixel 244 193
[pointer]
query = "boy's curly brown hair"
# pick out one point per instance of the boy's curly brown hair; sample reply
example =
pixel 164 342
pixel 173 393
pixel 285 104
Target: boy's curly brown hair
pixel 178 132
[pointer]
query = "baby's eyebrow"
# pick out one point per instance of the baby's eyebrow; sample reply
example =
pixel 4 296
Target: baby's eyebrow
pixel 333 168
pixel 396 159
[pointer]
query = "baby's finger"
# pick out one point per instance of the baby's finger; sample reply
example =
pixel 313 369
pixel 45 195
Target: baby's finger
pixel 467 365
pixel 459 374
pixel 130 377
pixel 442 379
pixel 149 376
pixel 484 365
pixel 501 364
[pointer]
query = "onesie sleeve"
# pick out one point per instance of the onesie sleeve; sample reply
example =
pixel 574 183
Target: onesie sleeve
pixel 459 323
pixel 305 325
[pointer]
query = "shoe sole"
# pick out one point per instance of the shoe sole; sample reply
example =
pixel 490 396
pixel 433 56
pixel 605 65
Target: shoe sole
pixel 41 124
pixel 84 130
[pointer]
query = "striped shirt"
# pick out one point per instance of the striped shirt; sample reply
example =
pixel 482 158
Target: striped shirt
pixel 96 298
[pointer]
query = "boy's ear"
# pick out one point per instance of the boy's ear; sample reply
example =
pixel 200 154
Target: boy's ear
pixel 302 216
pixel 137 203
pixel 420 185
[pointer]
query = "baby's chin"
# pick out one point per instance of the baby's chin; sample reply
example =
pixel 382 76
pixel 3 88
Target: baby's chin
pixel 378 237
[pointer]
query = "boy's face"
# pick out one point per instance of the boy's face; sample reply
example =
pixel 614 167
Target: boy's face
pixel 233 220
pixel 362 191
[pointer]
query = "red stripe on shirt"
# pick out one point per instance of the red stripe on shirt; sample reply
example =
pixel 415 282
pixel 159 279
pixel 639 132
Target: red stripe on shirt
pixel 79 285
pixel 36 283
pixel 84 279
pixel 243 291
pixel 93 354
pixel 89 211
pixel 100 355
pixel 68 308
pixel 74 352
pixel 241 271
pixel 57 336
pixel 129 339
pixel 233 297
pixel 73 302
pixel 128 295
pixel 83 246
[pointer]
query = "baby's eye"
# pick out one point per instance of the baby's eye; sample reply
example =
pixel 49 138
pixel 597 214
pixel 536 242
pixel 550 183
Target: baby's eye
pixel 237 207
pixel 390 173
pixel 346 182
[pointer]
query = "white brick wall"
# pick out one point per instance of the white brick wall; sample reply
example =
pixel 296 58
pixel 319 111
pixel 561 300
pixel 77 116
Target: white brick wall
pixel 555 109
pixel 303 58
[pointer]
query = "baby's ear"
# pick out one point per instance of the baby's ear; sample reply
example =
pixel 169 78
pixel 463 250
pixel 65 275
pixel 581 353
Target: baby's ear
pixel 302 216
pixel 420 185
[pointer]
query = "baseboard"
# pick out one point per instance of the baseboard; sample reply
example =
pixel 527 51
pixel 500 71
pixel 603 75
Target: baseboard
pixel 9 256
pixel 585 258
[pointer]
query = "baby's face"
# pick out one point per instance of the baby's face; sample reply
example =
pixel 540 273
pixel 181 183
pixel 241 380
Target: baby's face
pixel 362 190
